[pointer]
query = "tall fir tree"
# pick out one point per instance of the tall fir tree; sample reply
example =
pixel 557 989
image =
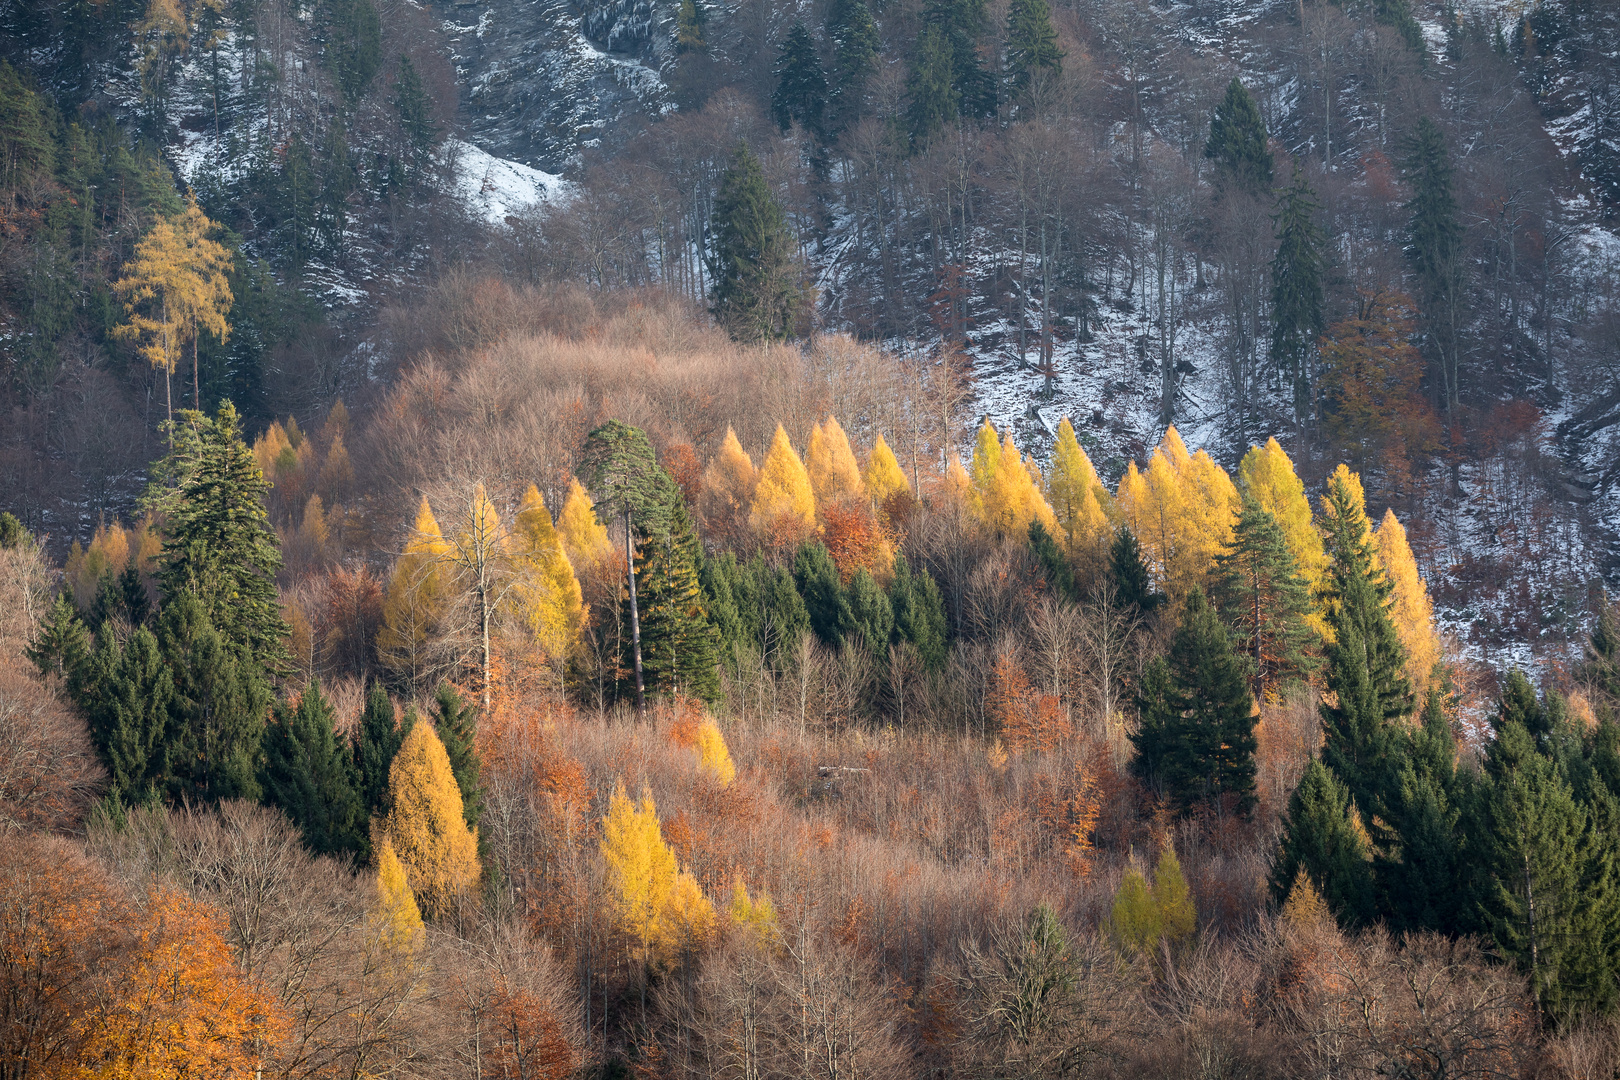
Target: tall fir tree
pixel 1132 580
pixel 932 100
pixel 1365 661
pixel 62 645
pixel 801 86
pixel 1417 877
pixel 680 646
pixel 1196 741
pixel 856 46
pixel 309 774
pixel 964 24
pixel 870 612
pixel 1238 144
pixel 1059 574
pixel 218 544
pixel 757 294
pixel 455 721
pixel 816 576
pixel 376 740
pixel 1322 841
pixel 1434 248
pixel 1032 45
pixel 1296 289
pixel 218 713
pixel 919 613
pixel 1260 596
pixel 126 691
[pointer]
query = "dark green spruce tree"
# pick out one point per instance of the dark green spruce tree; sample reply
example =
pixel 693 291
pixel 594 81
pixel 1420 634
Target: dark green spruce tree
pixel 1032 45
pixel 376 741
pixel 126 692
pixel 1365 661
pixel 919 613
pixel 1434 248
pixel 219 710
pixel 856 46
pixel 754 605
pixel 1296 289
pixel 1196 741
pixel 679 645
pixel 816 576
pixel 965 23
pixel 351 37
pixel 757 292
pixel 309 774
pixel 1262 599
pixel 932 100
pixel 1417 877
pixel 801 86
pixel 1238 145
pixel 456 723
pixel 1321 840
pixel 62 646
pixel 1059 574
pixel 218 545
pixel 1133 583
pixel 870 612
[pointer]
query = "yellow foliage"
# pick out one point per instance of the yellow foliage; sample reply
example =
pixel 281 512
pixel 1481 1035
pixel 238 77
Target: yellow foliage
pixel 756 914
pixel 583 536
pixel 658 905
pixel 713 757
pixel 1409 609
pixel 337 473
pixel 1006 487
pixel 397 921
pixel 958 488
pixel 784 501
pixel 834 475
pixel 1135 921
pixel 1268 475
pixel 109 552
pixel 884 478
pixel 148 545
pixel 416 596
pixel 1182 511
pixel 267 448
pixel 1305 907
pixel 546 594
pixel 728 482
pixel 1079 501
pixel 1351 482
pixel 1178 919
pixel 426 825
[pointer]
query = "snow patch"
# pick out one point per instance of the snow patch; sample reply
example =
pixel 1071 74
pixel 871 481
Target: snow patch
pixel 494 188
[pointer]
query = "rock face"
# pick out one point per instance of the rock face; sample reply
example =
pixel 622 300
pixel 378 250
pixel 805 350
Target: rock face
pixel 543 80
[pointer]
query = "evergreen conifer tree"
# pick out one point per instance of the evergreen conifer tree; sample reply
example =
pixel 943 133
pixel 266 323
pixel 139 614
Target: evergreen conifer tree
pixel 218 544
pixel 754 265
pixel 219 710
pixel 1296 288
pixel 1365 661
pixel 1321 841
pixel 1032 44
pixel 680 646
pixel 62 646
pixel 856 46
pixel 870 613
pixel 801 86
pixel 816 576
pixel 1262 599
pixel 1238 144
pixel 964 23
pixel 919 613
pixel 1058 571
pixel 1130 573
pixel 308 772
pixel 456 723
pixel 1196 740
pixel 376 741
pixel 932 101
pixel 125 692
pixel 1435 250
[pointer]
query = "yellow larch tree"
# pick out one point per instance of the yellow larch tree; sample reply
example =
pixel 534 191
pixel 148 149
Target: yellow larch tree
pixel 1182 511
pixel 396 920
pixel 1077 496
pixel 426 824
pixel 1209 506
pixel 784 507
pixel 728 488
pixel 658 905
pixel 756 914
pixel 545 593
pixel 957 486
pixel 1409 608
pixel 834 475
pixel 416 599
pixel 1006 493
pixel 714 760
pixel 481 567
pixel 1267 474
pixel 884 478
pixel 984 464
pixel 584 538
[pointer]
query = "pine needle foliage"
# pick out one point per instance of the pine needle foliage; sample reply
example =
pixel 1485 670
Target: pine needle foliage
pixel 757 294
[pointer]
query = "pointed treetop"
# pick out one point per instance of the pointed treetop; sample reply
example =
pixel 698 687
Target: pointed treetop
pixel 1238 143
pixel 884 478
pixel 426 538
pixel 1410 610
pixel 731 473
pixel 1267 474
pixel 783 498
pixel 583 536
pixel 1076 492
pixel 834 475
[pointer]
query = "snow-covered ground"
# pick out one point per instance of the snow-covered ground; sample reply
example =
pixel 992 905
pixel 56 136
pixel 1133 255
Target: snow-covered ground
pixel 494 189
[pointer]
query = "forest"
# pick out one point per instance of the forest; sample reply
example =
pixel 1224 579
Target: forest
pixel 931 538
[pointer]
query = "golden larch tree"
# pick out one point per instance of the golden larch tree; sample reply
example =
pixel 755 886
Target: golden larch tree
pixel 784 506
pixel 714 759
pixel 756 914
pixel 1077 496
pixel 1267 474
pixel 728 489
pixel 545 593
pixel 1410 609
pixel 884 479
pixel 659 906
pixel 1006 488
pixel 477 552
pixel 426 825
pixel 834 475
pixel 416 600
pixel 396 920
pixel 584 538
pixel 1182 511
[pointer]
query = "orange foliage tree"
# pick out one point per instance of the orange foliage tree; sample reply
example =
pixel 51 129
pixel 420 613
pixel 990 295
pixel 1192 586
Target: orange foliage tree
pixel 1370 378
